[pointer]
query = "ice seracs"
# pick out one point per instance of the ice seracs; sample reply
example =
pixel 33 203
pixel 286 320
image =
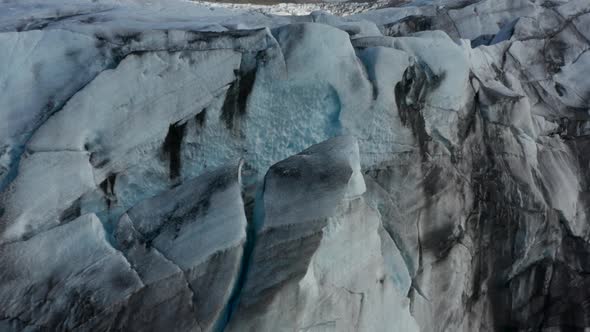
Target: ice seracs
pixel 187 246
pixel 52 65
pixel 319 254
pixel 64 279
pixel 171 263
pixel 421 167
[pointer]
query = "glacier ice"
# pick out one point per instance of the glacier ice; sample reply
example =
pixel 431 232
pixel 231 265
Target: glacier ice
pixel 413 168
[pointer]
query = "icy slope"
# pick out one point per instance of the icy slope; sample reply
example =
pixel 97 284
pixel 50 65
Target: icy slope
pixel 319 260
pixel 173 167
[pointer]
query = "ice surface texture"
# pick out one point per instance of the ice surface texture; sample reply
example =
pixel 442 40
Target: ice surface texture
pixel 176 168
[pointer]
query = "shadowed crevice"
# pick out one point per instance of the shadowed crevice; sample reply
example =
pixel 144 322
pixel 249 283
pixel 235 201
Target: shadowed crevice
pixel 108 188
pixel 171 148
pixel 236 99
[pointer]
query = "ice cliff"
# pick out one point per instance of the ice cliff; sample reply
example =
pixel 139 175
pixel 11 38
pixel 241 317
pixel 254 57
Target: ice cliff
pixel 170 167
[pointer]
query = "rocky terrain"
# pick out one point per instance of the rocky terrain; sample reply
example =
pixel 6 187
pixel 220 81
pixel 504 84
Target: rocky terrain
pixel 175 167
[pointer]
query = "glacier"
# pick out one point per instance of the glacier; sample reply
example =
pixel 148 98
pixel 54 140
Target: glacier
pixel 408 166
